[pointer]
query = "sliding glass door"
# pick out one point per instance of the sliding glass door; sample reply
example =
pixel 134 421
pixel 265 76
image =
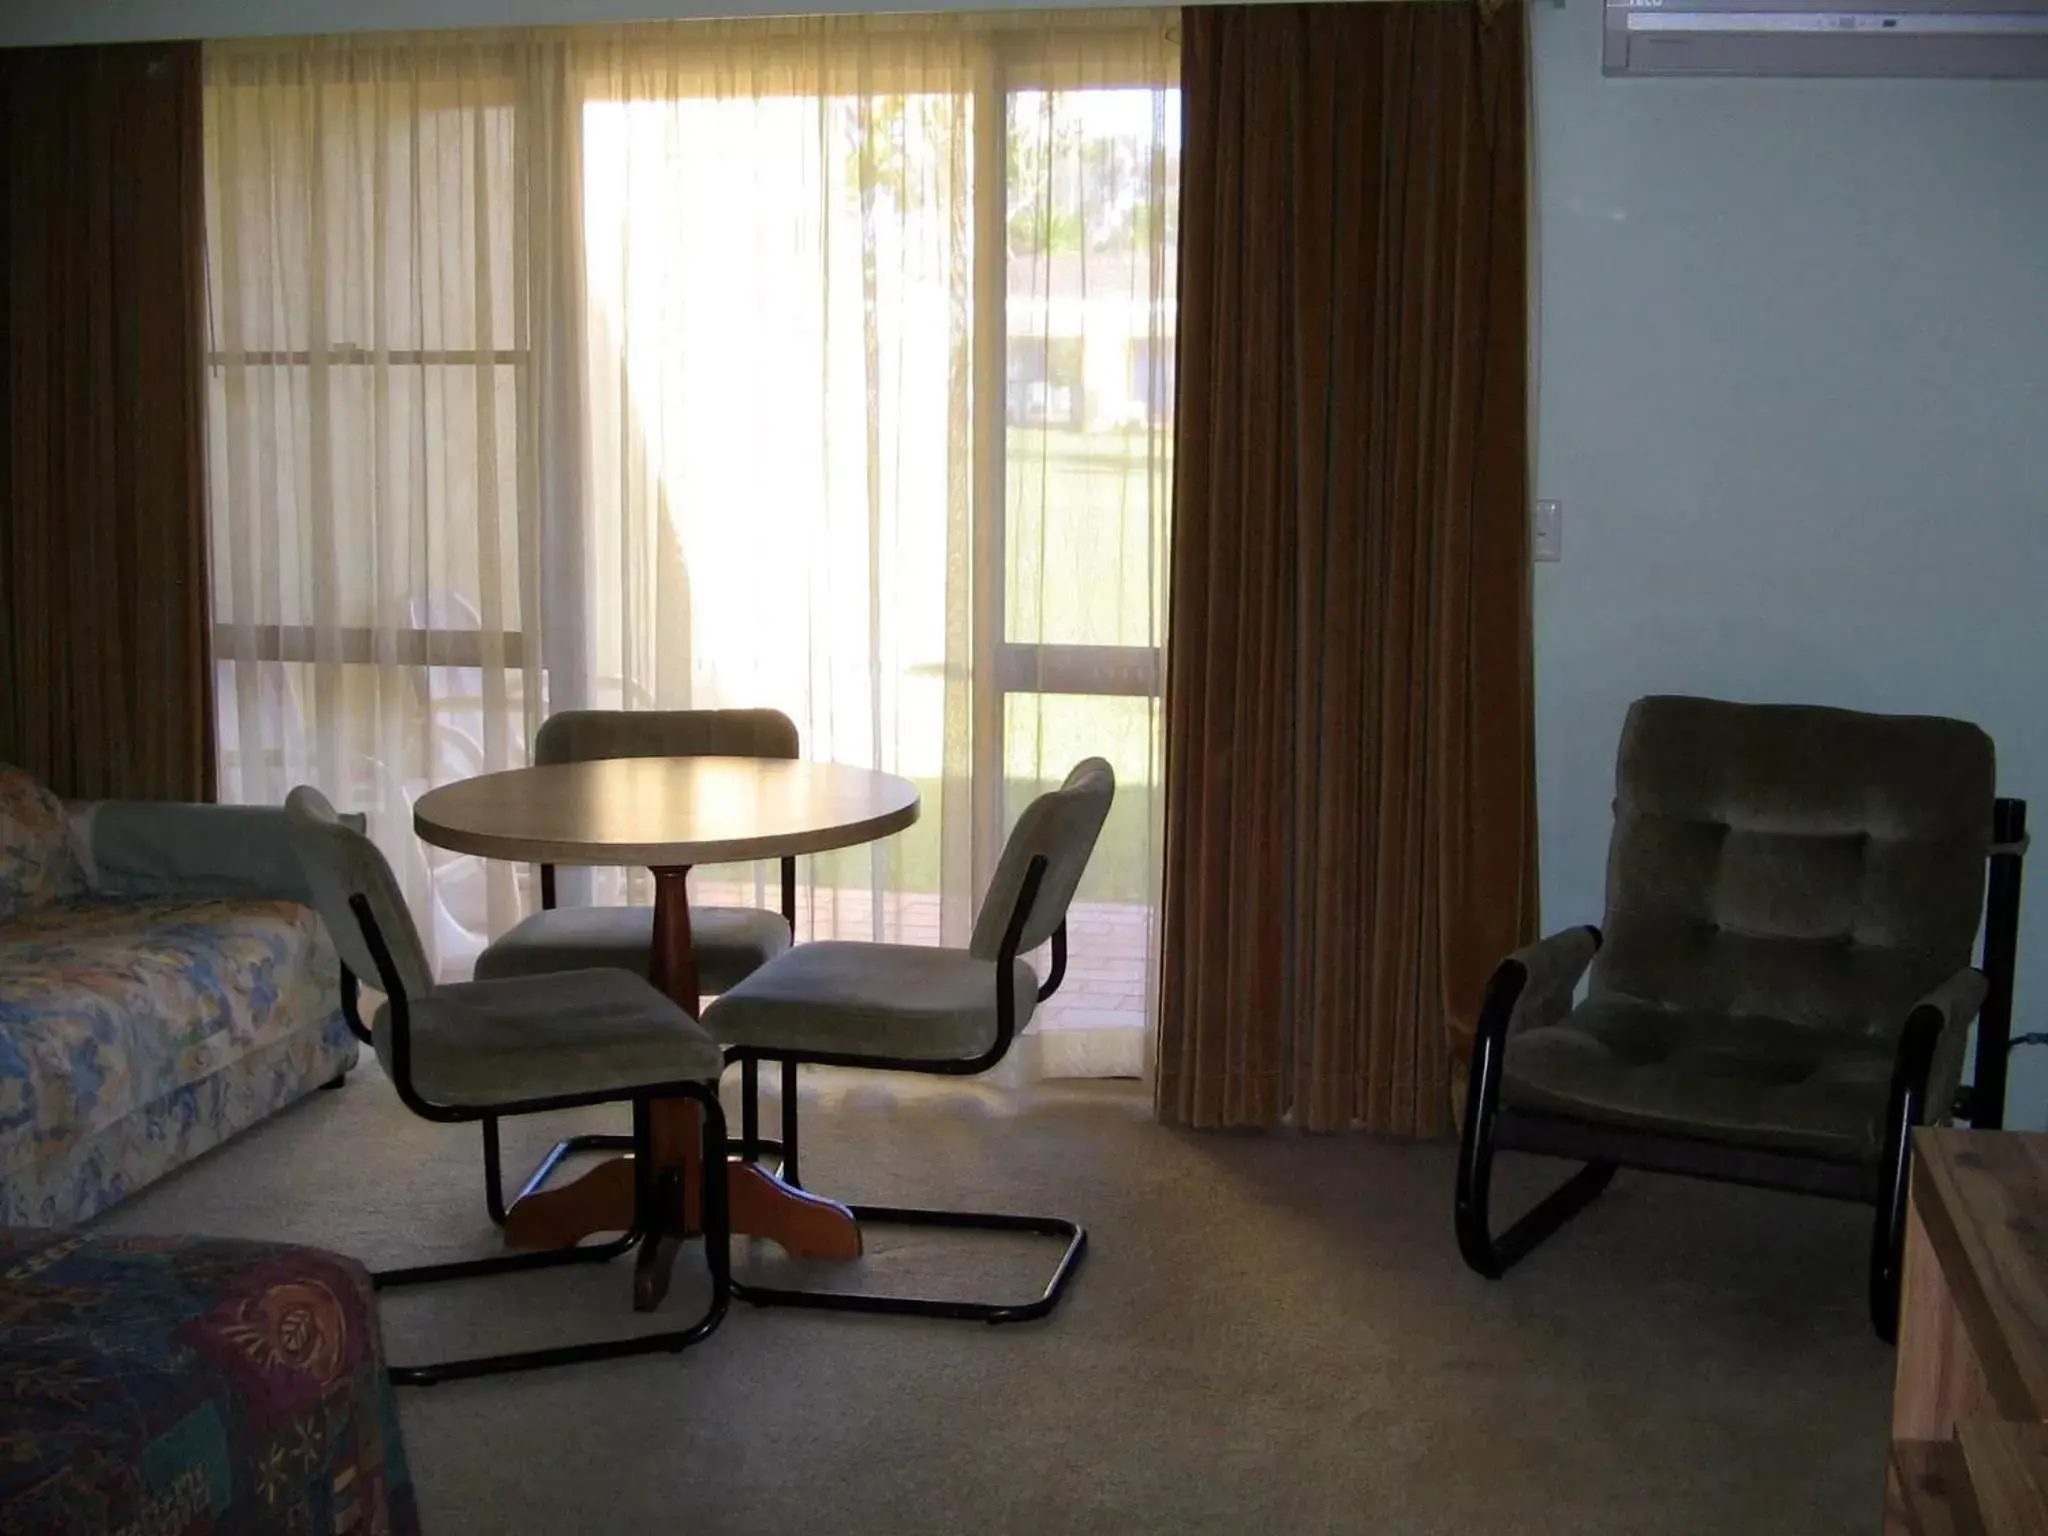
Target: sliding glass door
pixel 820 365
pixel 1075 619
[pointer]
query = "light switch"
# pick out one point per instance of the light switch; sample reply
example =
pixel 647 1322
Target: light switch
pixel 1547 540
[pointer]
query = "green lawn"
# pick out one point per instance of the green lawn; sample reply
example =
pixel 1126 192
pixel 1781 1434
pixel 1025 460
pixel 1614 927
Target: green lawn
pixel 1085 556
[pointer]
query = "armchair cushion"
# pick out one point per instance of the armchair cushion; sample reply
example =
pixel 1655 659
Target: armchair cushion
pixel 1819 866
pixel 1745 1078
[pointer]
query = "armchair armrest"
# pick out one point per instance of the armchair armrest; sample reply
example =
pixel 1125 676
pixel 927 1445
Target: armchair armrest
pixel 1926 1068
pixel 1534 985
pixel 142 849
pixel 1935 1040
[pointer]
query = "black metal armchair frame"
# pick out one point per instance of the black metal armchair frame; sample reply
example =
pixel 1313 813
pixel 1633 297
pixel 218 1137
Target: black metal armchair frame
pixel 657 1202
pixel 753 1146
pixel 1490 1126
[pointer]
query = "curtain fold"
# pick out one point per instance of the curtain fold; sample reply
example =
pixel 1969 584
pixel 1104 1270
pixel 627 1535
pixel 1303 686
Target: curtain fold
pixel 1350 837
pixel 818 364
pixel 105 684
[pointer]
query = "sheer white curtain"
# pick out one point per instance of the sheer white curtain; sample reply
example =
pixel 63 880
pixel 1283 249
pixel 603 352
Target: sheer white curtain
pixel 829 366
pixel 369 468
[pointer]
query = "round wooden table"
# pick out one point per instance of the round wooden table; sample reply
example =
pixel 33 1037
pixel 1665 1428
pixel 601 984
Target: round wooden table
pixel 670 813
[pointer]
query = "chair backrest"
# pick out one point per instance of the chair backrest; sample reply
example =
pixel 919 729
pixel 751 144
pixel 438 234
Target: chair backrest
pixel 1061 826
pixel 588 735
pixel 340 863
pixel 1820 866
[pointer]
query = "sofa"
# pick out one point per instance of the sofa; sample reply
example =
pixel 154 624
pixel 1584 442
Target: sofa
pixel 191 1384
pixel 162 987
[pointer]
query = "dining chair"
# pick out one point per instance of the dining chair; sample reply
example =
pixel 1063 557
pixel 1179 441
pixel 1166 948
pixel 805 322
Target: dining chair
pixel 730 943
pixel 916 1008
pixel 483 1049
pixel 1784 988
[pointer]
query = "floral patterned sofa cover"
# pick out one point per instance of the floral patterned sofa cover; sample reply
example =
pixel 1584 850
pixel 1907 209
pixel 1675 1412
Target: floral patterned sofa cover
pixel 161 988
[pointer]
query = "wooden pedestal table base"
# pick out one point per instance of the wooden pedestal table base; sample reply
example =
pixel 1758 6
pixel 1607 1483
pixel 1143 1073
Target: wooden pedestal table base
pixel 804 1225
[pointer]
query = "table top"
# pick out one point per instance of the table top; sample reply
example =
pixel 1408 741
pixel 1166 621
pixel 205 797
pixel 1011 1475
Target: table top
pixel 665 811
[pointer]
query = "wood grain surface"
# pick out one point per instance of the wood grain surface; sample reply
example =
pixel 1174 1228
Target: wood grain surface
pixel 2007 1477
pixel 665 811
pixel 1983 1198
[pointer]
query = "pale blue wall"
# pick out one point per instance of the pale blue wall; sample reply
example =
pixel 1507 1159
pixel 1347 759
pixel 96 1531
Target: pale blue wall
pixel 1794 395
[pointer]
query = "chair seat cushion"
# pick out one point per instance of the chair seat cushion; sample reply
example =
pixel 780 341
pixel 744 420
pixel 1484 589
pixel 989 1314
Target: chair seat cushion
pixel 905 1001
pixel 493 1044
pixel 731 943
pixel 1734 1077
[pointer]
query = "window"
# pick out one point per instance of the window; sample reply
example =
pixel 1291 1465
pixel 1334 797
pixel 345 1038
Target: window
pixel 816 365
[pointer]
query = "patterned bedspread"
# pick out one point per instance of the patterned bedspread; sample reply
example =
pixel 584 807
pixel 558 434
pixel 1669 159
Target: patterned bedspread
pixel 192 1387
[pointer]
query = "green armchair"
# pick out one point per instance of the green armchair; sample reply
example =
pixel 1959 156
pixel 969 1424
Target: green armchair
pixel 1784 986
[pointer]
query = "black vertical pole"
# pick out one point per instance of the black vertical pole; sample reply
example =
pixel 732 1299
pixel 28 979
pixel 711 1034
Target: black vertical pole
pixel 2001 957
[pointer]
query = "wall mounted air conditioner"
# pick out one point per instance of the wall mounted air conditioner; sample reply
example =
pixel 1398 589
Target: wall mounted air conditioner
pixel 1970 39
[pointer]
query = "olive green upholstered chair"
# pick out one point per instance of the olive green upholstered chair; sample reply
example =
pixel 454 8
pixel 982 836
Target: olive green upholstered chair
pixel 730 943
pixel 478 1049
pixel 1783 984
pixel 916 1008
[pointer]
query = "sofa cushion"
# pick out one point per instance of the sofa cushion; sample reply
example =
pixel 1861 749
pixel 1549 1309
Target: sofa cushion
pixel 38 863
pixel 106 1007
pixel 75 1184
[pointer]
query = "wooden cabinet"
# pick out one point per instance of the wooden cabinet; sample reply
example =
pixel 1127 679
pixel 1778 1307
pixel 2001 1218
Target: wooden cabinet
pixel 1969 1441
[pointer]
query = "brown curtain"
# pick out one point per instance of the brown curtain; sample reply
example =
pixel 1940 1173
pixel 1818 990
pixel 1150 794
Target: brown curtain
pixel 1350 779
pixel 105 682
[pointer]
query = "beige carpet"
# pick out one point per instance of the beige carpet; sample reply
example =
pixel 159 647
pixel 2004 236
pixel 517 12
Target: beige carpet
pixel 1271 1335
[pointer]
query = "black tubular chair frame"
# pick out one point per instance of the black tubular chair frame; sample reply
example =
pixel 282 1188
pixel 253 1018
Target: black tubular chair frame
pixel 1603 1148
pixel 753 1146
pixel 654 1199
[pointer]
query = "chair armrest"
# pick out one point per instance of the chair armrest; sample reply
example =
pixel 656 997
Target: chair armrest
pixel 144 849
pixel 1938 1033
pixel 1533 986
